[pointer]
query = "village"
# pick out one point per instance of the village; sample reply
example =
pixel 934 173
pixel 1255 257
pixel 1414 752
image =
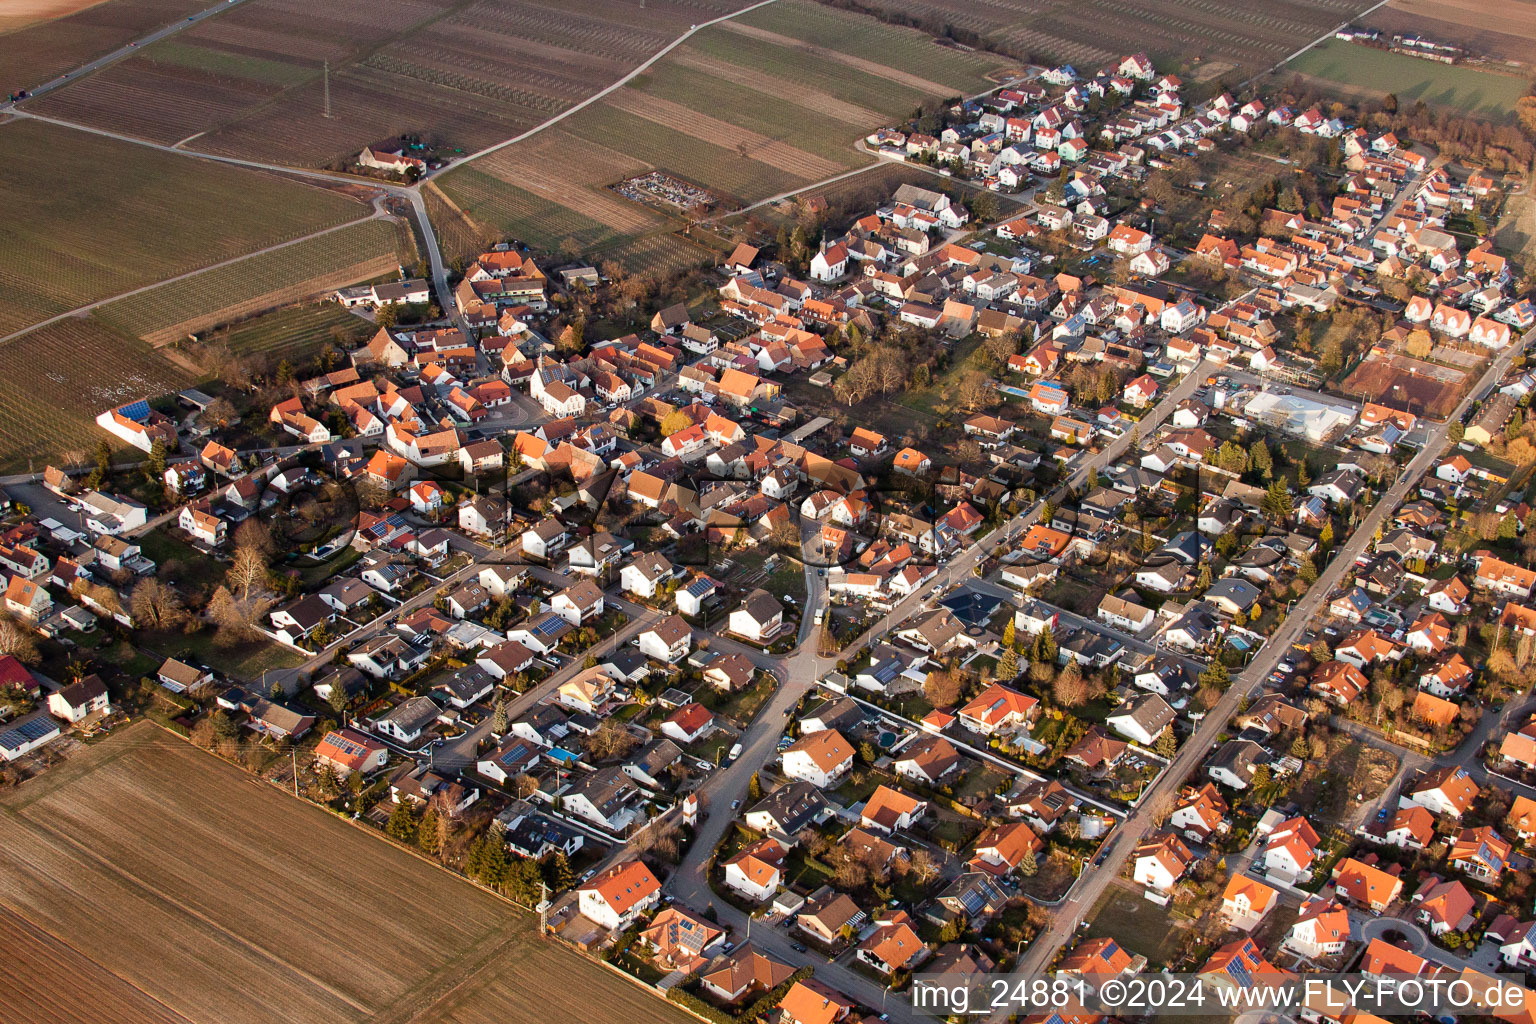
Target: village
pixel 1187 626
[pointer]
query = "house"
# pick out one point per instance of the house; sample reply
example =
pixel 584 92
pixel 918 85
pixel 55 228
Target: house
pixel 1000 850
pixel 1365 884
pixel 1290 849
pixel 615 898
pixel 79 700
pixel 1448 790
pixel 588 692
pixel 26 599
pixel 1240 965
pixel 1200 813
pixel 820 758
pixel 669 641
pixel 1102 957
pixel 1161 861
pixel 676 938
pixel 927 760
pixel 689 723
pixel 999 708
pixel 1481 853
pixel 759 618
pixel 1141 719
pixel 607 798
pixel 744 970
pixel 889 810
pixel 1235 762
pixel 1444 906
pixel 179 677
pixel 1410 828
pixel 346 751
pixel 406 721
pixel 757 870
pixel 893 945
pixel 579 603
pixel 788 809
pixel 1321 929
pixel 827 913
pixel 811 1002
pixel 1246 901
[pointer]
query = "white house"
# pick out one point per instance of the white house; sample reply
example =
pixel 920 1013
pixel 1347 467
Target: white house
pixel 618 896
pixel 820 758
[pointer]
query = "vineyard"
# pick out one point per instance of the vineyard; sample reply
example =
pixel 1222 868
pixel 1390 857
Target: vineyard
pixel 87 218
pixel 884 50
pixel 294 334
pixel 1247 38
pixel 468 73
pixel 33 55
pixel 360 252
pixel 60 376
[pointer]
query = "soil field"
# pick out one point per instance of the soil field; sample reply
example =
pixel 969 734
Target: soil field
pixel 1510 36
pixel 248 906
pixel 1178 34
pixel 1421 388
pixel 59 377
pixel 315 266
pixel 464 73
pixel 40 52
pixel 88 217
pixel 1367 70
pixel 295 333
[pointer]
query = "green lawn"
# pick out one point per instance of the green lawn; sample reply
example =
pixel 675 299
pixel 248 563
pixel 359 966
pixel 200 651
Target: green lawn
pixel 195 573
pixel 1412 78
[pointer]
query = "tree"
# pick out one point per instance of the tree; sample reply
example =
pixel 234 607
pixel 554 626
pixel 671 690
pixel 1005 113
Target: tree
pixel 338 698
pixel 754 788
pixel 156 605
pixel 1325 536
pixel 1166 744
pixel 1215 674
pixel 1029 864
pixel 18 640
pixel 426 831
pixel 1070 689
pixel 401 825
pixel 1456 431
pixel 1203 581
pixel 611 740
pixel 1418 344
pixel 1045 645
pixel 675 422
pixel 1010 634
pixel 248 569
pixel 1277 504
pixel 1308 569
pixel 499 718
pixel 1259 459
pixel 943 687
pixel 1008 664
pixel 154 466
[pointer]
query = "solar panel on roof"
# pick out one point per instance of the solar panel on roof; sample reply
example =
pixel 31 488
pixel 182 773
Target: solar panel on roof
pixel 138 411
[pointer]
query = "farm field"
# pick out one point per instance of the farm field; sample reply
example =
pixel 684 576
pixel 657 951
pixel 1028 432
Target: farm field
pixel 294 333
pixel 89 217
pixel 1239 38
pixel 60 376
pixel 248 906
pixel 1511 36
pixel 1364 69
pixel 464 73
pixel 36 53
pixel 739 110
pixel 358 252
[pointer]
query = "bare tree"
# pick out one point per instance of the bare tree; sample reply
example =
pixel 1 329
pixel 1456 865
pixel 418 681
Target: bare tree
pixel 157 605
pixel 248 570
pixel 18 640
